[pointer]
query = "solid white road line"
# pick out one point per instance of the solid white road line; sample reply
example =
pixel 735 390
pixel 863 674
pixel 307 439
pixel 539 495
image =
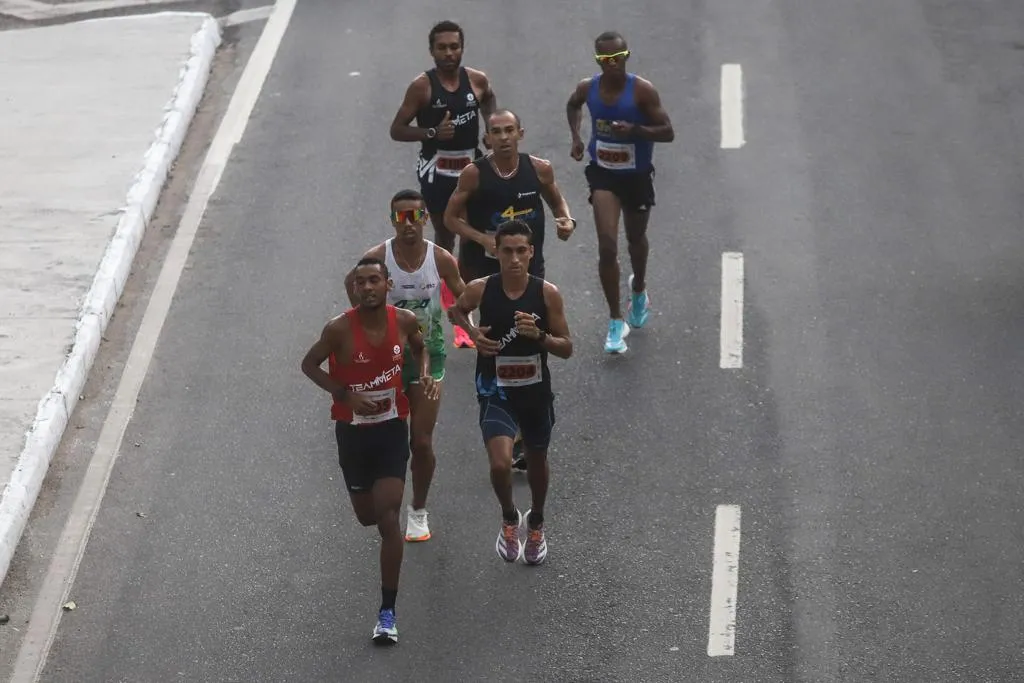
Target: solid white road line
pixel 724 581
pixel 731 333
pixel 60 576
pixel 732 106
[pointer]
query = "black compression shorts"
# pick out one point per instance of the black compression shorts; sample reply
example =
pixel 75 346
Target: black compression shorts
pixel 367 453
pixel 634 190
pixel 499 417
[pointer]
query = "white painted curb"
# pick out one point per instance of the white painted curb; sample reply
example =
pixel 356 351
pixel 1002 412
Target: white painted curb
pixel 44 436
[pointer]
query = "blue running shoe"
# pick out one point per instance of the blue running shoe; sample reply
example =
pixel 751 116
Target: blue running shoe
pixel 639 307
pixel 385 632
pixel 618 330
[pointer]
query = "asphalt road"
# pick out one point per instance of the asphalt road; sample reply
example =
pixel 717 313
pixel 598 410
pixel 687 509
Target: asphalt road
pixel 872 437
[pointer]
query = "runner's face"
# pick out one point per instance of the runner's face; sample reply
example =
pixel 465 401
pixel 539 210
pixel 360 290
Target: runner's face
pixel 504 134
pixel 447 51
pixel 613 62
pixel 514 254
pixel 371 286
pixel 408 216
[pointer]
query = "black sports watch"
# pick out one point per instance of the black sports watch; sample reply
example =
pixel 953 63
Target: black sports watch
pixel 543 335
pixel 431 133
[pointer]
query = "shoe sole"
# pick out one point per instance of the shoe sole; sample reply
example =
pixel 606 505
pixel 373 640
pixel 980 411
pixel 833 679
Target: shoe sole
pixel 385 639
pixel 418 539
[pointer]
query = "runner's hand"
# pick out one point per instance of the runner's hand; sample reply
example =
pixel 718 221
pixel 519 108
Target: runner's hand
pixel 446 129
pixel 576 151
pixel 526 325
pixel 484 345
pixel 489 245
pixel 565 226
pixel 622 129
pixel 431 389
pixel 360 405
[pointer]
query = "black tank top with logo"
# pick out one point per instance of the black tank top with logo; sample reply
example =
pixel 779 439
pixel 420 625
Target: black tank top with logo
pixel 519 373
pixel 497 200
pixel 465 113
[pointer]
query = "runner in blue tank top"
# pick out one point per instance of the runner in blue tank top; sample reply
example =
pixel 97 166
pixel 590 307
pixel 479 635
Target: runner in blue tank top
pixel 627 118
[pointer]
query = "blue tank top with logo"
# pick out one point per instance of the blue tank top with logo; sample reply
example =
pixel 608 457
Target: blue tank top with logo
pixel 607 151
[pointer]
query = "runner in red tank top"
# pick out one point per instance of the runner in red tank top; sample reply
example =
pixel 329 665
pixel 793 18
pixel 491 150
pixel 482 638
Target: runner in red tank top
pixel 364 350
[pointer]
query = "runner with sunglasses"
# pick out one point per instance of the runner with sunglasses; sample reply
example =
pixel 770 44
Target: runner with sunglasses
pixel 447 103
pixel 627 118
pixel 417 268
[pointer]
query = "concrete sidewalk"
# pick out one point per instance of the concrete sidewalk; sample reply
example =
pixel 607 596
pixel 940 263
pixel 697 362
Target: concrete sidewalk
pixel 92 115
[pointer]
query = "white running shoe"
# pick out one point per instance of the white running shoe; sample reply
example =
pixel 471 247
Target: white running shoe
pixel 416 528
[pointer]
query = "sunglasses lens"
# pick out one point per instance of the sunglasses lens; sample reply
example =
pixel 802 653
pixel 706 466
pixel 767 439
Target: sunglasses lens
pixel 408 215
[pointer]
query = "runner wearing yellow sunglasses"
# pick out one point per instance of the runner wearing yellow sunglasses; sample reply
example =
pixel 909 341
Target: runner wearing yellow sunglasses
pixel 627 118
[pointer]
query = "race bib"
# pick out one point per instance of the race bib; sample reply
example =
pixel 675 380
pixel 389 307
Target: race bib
pixel 518 371
pixel 450 163
pixel 386 408
pixel 616 156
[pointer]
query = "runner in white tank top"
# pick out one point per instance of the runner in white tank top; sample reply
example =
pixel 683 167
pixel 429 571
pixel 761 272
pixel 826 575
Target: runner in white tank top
pixel 417 268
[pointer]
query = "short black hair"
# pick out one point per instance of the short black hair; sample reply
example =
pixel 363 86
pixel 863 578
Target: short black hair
pixel 609 36
pixel 406 196
pixel 499 112
pixel 447 27
pixel 511 227
pixel 374 261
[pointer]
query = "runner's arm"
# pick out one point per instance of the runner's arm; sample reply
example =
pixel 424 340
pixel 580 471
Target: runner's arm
pixel 574 108
pixel 558 341
pixel 415 96
pixel 414 339
pixel 466 303
pixel 332 340
pixel 549 189
pixel 448 269
pixel 649 101
pixel 455 212
pixel 488 101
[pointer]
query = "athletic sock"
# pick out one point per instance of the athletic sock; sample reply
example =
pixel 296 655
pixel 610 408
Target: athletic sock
pixel 511 517
pixel 387 598
pixel 535 519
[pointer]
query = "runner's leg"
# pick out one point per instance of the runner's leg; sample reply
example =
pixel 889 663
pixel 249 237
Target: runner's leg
pixel 498 428
pixel 423 417
pixel 390 450
pixel 537 426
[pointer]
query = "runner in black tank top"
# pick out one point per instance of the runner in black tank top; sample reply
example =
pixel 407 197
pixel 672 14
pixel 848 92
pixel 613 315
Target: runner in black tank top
pixel 523 320
pixel 462 109
pixel 504 185
pixel 497 200
pixel 447 103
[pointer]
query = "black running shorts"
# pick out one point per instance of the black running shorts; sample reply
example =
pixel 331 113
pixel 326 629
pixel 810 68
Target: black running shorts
pixel 535 419
pixel 367 453
pixel 436 192
pixel 634 190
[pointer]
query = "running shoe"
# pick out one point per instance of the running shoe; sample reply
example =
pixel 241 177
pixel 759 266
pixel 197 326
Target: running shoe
pixel 615 342
pixel 536 547
pixel 639 306
pixel 518 455
pixel 508 546
pixel 385 632
pixel 416 528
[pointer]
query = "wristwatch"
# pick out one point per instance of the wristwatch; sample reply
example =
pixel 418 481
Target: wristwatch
pixel 543 335
pixel 431 133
